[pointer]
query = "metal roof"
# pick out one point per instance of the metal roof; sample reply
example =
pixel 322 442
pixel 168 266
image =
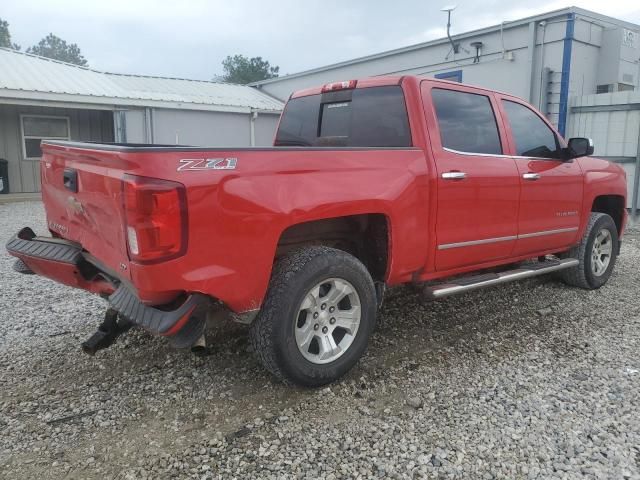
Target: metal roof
pixel 33 78
pixel 506 25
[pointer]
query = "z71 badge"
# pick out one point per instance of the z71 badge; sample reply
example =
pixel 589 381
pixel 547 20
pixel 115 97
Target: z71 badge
pixel 199 164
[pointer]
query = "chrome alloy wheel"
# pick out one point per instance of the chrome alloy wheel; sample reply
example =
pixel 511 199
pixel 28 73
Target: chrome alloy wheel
pixel 328 320
pixel 601 252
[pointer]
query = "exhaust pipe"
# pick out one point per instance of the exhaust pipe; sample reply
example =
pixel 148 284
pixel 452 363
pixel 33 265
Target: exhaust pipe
pixel 199 348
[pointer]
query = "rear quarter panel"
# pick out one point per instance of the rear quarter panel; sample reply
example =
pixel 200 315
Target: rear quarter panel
pixel 236 217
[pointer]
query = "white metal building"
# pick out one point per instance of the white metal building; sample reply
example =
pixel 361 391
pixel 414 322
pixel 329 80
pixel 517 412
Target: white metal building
pixel 42 98
pixel 568 52
pixel 552 60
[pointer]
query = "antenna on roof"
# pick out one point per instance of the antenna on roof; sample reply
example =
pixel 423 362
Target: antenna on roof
pixel 455 47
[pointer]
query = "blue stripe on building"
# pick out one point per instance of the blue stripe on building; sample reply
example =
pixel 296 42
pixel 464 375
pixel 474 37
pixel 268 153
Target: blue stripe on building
pixel 566 71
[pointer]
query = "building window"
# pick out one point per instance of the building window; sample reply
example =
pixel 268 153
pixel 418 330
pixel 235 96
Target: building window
pixel 604 88
pixel 36 128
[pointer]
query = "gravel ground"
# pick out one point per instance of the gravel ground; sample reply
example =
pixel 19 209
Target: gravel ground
pixel 531 380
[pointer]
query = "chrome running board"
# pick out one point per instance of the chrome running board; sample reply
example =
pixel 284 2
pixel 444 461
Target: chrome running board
pixel 466 284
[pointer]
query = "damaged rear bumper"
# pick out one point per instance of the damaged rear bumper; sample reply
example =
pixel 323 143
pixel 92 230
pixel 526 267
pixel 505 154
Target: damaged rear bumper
pixel 64 262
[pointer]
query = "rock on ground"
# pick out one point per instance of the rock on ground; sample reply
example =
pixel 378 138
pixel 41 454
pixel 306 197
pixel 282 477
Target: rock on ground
pixel 528 381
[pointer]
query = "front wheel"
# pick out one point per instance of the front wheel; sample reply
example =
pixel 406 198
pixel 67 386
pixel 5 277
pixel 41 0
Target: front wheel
pixel 317 317
pixel 596 253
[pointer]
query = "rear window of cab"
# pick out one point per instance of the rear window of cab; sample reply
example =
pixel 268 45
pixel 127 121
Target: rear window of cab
pixel 364 117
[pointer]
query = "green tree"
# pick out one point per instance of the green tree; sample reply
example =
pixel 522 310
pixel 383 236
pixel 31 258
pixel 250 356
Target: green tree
pixel 56 48
pixel 5 36
pixel 243 70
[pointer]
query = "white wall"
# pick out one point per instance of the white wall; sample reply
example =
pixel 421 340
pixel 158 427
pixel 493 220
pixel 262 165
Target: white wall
pixel 266 126
pixel 199 128
pixel 615 133
pixel 510 74
pixel 597 57
pixel 135 126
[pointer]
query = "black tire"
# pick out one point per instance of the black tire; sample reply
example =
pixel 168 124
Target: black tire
pixel 583 276
pixel 272 332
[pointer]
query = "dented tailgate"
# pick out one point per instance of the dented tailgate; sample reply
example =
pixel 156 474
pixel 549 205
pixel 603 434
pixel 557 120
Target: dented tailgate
pixel 82 194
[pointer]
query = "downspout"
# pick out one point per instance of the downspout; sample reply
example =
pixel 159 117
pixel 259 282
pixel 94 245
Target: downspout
pixel 120 126
pixel 252 128
pixel 531 53
pixel 116 126
pixel 566 71
pixel 543 25
pixel 148 120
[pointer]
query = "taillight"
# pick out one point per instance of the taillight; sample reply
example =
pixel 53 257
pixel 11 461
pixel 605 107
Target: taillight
pixel 330 87
pixel 156 218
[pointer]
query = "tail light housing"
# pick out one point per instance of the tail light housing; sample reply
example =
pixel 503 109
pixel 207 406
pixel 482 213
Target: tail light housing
pixel 156 221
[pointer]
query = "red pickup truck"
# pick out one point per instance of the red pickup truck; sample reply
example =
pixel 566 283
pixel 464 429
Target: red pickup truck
pixel 371 183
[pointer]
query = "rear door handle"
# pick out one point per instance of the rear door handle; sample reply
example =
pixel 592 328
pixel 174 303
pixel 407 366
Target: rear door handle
pixel 531 176
pixel 454 175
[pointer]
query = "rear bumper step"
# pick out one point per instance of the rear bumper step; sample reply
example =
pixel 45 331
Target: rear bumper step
pixel 475 282
pixel 64 262
pixel 57 259
pixel 153 319
pixel 26 243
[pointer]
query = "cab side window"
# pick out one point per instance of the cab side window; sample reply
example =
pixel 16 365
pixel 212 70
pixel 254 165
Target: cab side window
pixel 533 137
pixel 466 122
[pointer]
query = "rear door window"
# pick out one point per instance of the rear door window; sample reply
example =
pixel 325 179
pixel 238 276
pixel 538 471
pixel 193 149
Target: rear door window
pixel 365 117
pixel 466 121
pixel 533 137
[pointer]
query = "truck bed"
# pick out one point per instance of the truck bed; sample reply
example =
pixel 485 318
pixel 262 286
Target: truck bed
pixel 234 197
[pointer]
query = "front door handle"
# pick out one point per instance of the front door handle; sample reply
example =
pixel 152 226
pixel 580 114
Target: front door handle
pixel 454 175
pixel 531 176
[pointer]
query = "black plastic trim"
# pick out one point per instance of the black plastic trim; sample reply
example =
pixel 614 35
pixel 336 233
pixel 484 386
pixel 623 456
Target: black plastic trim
pixel 26 243
pixel 157 321
pixel 145 148
pixel 540 265
pixel 123 300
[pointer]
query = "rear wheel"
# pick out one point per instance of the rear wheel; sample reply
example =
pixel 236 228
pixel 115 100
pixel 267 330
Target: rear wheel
pixel 317 317
pixel 596 253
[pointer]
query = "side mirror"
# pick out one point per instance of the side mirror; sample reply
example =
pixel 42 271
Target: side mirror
pixel 579 147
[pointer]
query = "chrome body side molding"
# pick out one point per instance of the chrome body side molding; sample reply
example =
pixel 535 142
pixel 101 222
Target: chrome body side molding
pixel 447 246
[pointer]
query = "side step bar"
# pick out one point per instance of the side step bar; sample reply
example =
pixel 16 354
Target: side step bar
pixel 466 284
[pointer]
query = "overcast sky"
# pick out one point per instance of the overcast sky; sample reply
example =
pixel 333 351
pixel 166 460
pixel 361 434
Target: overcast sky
pixel 190 38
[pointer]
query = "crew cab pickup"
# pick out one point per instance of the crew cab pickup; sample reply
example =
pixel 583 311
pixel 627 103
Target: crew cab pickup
pixel 370 183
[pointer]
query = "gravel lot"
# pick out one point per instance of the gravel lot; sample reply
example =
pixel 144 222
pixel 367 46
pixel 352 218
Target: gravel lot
pixel 531 380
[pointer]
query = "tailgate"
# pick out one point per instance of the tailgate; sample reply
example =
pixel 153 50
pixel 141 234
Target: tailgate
pixel 82 195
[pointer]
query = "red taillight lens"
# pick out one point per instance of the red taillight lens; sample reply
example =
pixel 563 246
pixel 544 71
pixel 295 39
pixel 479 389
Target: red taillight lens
pixel 156 218
pixel 330 87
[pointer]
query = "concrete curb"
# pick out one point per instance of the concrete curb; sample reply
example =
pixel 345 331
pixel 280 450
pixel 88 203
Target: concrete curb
pixel 20 197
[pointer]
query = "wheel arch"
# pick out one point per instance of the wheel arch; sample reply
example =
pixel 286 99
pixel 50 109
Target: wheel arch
pixel 367 236
pixel 612 205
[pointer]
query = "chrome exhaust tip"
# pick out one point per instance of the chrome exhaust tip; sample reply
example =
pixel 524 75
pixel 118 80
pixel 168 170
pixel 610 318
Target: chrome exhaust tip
pixel 199 348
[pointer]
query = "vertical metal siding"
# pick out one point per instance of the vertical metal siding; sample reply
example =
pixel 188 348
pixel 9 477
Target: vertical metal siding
pixel 24 175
